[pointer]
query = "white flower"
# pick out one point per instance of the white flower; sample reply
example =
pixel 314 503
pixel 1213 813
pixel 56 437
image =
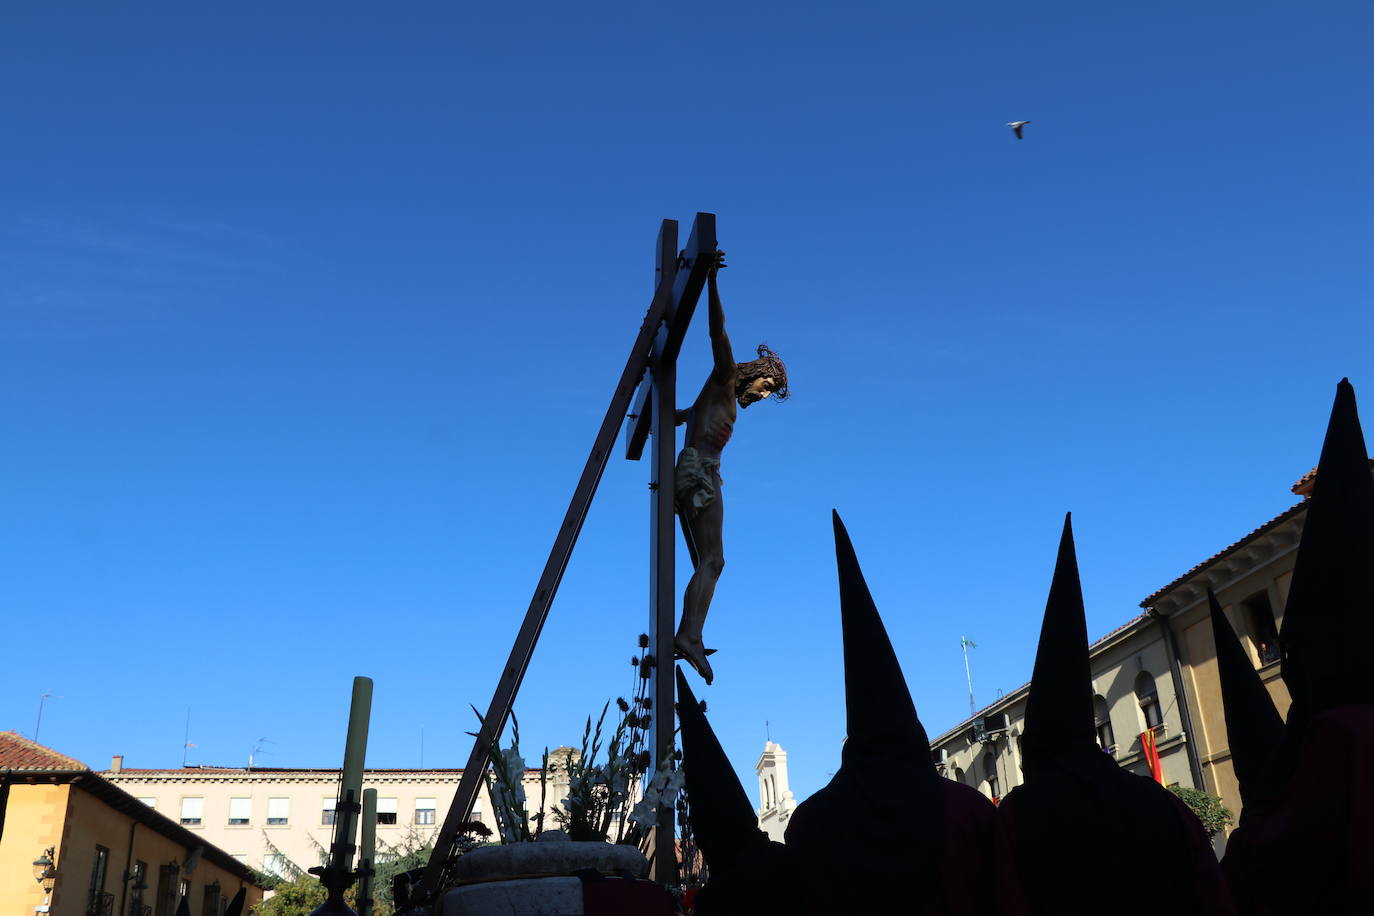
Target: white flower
pixel 645 814
pixel 515 764
pixel 673 787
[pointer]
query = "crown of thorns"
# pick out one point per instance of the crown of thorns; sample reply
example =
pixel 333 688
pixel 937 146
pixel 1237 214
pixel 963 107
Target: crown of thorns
pixel 768 365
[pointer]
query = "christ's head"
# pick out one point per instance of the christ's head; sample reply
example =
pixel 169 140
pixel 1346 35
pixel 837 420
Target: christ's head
pixel 761 378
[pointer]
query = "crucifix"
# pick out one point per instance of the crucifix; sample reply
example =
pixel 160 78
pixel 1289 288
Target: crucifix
pixel 679 278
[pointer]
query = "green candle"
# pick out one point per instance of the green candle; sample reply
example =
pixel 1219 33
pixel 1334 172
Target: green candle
pixel 368 854
pixel 350 790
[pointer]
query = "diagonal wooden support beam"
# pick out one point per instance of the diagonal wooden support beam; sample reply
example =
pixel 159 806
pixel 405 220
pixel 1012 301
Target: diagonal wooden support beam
pixel 693 266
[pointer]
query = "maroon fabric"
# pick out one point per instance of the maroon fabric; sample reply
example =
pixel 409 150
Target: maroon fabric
pixel 962 885
pixel 1061 853
pixel 1311 852
pixel 970 837
pixel 619 897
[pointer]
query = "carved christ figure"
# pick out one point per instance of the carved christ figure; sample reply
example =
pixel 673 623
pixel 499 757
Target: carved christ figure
pixel 697 491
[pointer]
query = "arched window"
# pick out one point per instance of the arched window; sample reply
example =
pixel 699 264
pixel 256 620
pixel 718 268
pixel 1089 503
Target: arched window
pixel 1102 720
pixel 1259 619
pixel 1148 697
pixel 958 775
pixel 767 794
pixel 990 774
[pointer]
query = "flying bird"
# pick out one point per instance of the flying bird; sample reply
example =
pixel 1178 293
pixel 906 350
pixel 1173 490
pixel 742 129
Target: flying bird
pixel 1016 127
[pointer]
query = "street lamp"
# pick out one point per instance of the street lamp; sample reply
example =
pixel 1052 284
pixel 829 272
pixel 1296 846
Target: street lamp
pixel 44 870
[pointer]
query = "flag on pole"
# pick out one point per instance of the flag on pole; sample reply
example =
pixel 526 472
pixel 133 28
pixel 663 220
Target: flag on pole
pixel 967 643
pixel 1151 752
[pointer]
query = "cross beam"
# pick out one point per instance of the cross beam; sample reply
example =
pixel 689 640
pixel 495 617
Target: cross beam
pixel 678 285
pixel 667 345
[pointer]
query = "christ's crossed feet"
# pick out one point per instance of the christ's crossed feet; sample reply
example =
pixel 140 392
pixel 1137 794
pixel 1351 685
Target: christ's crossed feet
pixel 694 653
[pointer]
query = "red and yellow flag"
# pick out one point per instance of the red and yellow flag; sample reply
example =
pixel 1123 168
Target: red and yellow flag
pixel 1151 752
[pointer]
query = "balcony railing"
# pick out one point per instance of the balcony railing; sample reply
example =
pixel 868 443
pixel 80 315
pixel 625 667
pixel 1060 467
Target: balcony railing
pixel 100 904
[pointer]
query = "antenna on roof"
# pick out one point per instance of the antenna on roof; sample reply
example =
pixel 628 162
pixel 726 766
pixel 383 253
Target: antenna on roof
pixel 186 744
pixel 967 644
pixel 39 724
pixel 257 747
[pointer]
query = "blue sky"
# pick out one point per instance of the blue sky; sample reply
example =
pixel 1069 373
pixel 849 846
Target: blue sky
pixel 308 316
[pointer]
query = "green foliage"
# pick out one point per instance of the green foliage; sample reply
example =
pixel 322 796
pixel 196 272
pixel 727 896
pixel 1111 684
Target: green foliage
pixel 1215 817
pixel 408 853
pixel 300 895
pixel 296 897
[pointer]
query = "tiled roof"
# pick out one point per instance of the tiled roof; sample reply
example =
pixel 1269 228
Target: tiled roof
pixel 1302 488
pixel 19 753
pixel 1304 485
pixel 1279 519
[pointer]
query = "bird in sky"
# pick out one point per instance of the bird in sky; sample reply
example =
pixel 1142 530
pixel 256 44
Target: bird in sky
pixel 1016 127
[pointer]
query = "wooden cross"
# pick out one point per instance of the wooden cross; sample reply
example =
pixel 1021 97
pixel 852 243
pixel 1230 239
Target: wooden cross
pixel 678 281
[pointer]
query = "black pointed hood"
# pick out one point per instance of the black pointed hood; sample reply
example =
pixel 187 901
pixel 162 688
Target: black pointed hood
pixel 878 705
pixel 1059 709
pixel 1328 623
pixel 1254 727
pixel 723 817
pixel 235 907
pixel 855 834
pixel 1057 816
pixel 749 873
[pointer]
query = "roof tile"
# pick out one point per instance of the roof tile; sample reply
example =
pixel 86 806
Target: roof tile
pixel 20 753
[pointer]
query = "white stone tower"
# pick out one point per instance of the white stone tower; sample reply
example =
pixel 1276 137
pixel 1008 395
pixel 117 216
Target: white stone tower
pixel 776 801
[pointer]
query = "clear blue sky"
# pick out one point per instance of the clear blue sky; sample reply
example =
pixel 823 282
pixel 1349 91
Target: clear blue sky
pixel 309 313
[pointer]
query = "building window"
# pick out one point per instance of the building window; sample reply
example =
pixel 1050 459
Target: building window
pixel 239 809
pixel 1148 696
pixel 278 812
pixel 990 773
pixel 210 901
pixel 138 882
pixel 98 868
pixel 386 812
pixel 424 810
pixel 1259 619
pixel 328 811
pixel 149 801
pixel 167 881
pixel 192 811
pixel 1102 720
pixel 958 775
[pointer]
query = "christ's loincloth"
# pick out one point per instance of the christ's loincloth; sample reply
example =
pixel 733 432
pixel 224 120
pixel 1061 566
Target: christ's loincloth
pixel 695 482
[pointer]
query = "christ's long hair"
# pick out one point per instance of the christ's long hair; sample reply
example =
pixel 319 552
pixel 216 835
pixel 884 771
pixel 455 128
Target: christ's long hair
pixel 768 365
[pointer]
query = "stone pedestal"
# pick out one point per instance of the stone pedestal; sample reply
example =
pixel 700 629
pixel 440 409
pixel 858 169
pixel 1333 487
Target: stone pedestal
pixel 534 879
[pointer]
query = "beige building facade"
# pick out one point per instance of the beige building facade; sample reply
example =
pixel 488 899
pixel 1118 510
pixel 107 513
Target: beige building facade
pixel 1135 689
pixel 73 844
pixel 281 820
pixel 1251 578
pixel 1159 671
